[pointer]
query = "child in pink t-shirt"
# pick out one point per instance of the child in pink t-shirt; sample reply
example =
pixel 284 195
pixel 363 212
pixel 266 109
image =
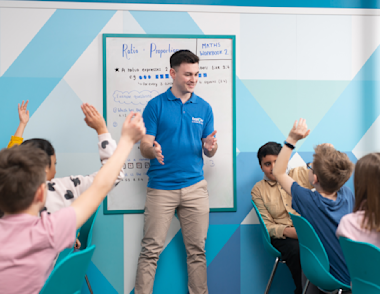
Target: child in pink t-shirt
pixel 363 224
pixel 29 243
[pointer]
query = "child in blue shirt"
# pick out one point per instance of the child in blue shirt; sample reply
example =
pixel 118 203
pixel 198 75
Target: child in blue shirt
pixel 330 201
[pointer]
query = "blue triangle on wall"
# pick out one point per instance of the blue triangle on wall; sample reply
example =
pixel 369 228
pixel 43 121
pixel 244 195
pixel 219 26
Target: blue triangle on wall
pixel 57 118
pixel 217 237
pixel 224 271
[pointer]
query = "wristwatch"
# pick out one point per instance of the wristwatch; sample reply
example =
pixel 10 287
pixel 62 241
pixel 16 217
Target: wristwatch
pixel 291 146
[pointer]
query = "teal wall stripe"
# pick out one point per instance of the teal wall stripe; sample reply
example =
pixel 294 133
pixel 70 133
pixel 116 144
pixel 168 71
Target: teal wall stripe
pixel 368 4
pixel 98 282
pixel 108 236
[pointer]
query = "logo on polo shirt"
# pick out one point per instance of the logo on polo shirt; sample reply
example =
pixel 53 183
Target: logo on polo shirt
pixel 197 121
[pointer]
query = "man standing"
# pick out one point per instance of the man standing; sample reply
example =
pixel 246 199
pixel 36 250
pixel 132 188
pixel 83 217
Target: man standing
pixel 179 125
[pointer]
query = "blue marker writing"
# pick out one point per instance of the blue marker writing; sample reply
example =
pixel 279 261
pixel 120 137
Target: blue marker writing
pixel 129 50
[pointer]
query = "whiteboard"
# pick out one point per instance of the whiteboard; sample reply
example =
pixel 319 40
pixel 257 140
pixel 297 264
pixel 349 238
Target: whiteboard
pixel 135 70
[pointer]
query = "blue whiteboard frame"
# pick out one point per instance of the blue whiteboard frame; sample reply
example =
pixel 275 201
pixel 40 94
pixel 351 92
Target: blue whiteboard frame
pixel 233 39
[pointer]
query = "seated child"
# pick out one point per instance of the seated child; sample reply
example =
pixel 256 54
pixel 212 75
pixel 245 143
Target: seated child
pixel 29 242
pixel 63 191
pixel 274 205
pixel 324 207
pixel 364 223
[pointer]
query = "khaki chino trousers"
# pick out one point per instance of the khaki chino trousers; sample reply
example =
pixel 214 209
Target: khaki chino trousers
pixel 192 206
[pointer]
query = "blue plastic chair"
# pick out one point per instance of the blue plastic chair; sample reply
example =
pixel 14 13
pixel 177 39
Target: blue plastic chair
pixel 268 247
pixel 363 261
pixel 85 232
pixel 314 260
pixel 85 238
pixel 67 276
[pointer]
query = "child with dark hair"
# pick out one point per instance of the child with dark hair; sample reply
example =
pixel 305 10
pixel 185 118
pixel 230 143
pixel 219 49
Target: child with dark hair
pixel 63 191
pixel 274 205
pixel 330 201
pixel 30 240
pixel 363 224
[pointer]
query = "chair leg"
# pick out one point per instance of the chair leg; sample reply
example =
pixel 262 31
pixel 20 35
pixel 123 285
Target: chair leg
pixel 88 284
pixel 306 286
pixel 272 275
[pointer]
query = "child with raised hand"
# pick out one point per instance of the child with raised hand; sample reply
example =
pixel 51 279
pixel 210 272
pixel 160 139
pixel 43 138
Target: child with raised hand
pixel 63 191
pixel 363 224
pixel 330 201
pixel 30 243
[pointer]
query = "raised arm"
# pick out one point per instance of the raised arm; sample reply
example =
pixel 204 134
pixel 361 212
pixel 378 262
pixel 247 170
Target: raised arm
pixel 93 119
pixel 298 132
pixel 63 191
pixel 86 204
pixel 23 115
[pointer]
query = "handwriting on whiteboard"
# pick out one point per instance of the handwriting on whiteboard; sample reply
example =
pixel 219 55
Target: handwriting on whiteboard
pixel 134 97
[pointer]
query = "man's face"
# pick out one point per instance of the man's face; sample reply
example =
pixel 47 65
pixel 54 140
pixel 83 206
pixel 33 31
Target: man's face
pixel 267 164
pixel 185 77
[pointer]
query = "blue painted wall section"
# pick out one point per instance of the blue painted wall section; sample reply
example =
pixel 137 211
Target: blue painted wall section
pixel 98 282
pixel 108 257
pixel 256 265
pixel 223 273
pixel 45 61
pixel 356 109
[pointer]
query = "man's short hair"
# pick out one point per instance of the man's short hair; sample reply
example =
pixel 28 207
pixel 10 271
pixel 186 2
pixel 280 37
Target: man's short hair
pixel 22 171
pixel 183 56
pixel 42 144
pixel 332 167
pixel 270 148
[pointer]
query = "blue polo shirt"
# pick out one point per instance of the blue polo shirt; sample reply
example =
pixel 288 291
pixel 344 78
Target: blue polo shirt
pixel 179 129
pixel 324 215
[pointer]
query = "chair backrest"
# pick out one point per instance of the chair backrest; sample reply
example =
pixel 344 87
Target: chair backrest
pixel 314 260
pixel 363 261
pixel 85 232
pixel 264 233
pixel 67 277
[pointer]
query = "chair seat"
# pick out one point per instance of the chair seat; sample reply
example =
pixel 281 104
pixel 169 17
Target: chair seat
pixel 314 260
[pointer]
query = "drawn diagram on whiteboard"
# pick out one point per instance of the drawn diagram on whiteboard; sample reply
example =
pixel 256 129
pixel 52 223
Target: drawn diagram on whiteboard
pixel 134 97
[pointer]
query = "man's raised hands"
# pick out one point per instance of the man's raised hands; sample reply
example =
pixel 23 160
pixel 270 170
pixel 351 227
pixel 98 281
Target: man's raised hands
pixel 158 152
pixel 210 141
